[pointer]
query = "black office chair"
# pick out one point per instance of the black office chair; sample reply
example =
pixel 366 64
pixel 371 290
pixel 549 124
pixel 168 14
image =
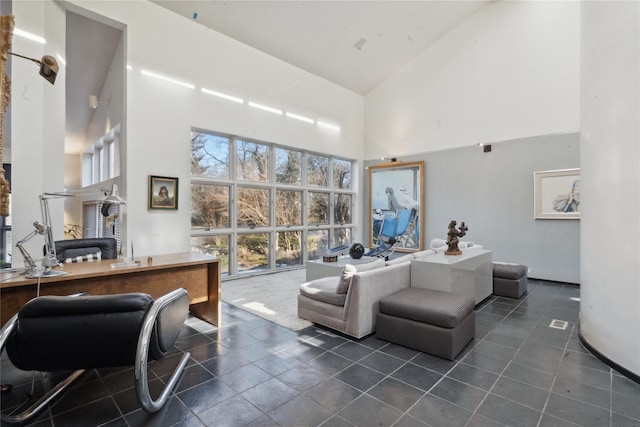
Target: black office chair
pixel 76 249
pixel 76 333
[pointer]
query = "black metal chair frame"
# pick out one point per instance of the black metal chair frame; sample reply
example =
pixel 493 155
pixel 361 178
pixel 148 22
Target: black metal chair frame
pixel 140 367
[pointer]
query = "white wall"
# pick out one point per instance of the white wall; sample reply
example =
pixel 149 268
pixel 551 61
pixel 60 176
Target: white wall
pixel 610 155
pixel 108 115
pixel 159 115
pixel 493 194
pixel 509 71
pixel 37 122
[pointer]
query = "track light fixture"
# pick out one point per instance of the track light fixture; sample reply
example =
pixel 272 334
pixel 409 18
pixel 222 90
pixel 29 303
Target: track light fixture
pixel 48 66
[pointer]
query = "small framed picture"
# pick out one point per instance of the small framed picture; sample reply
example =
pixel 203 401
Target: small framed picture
pixel 163 193
pixel 557 194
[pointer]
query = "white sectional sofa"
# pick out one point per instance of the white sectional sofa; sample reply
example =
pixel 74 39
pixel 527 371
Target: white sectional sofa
pixel 349 303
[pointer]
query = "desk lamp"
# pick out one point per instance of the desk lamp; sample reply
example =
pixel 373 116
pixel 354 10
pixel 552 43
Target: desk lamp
pixel 50 258
pixel 30 264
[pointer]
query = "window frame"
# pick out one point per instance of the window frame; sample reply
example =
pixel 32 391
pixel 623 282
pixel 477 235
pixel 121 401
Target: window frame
pixel 272 229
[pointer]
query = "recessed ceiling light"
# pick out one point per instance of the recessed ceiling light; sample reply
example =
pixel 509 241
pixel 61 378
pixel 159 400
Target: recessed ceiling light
pixel 328 125
pixel 223 95
pixel 29 36
pixel 301 118
pixel 168 79
pixel 265 108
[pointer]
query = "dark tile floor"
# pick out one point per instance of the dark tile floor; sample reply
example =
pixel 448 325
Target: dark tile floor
pixel 517 371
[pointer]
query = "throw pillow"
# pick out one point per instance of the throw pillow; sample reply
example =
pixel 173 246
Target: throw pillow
pixel 82 258
pixel 437 243
pixel 424 253
pixel 345 278
pixel 349 270
pixel 401 259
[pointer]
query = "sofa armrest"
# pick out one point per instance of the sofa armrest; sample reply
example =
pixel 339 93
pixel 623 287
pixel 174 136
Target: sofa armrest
pixel 366 290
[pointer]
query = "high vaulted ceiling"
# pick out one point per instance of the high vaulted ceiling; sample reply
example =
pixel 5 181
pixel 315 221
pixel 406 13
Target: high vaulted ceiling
pixel 355 44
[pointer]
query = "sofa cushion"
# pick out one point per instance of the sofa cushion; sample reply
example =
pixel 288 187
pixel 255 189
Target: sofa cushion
pixel 437 243
pixel 349 270
pixel 507 270
pixel 403 258
pixel 324 290
pixel 445 309
pixel 423 253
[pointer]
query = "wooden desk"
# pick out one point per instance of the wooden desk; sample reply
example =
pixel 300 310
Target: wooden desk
pixel 199 274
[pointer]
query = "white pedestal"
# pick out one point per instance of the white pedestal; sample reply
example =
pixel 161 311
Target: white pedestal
pixel 468 274
pixel 318 268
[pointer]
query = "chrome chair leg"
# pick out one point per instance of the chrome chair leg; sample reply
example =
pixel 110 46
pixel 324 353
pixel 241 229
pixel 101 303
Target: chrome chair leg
pixel 142 356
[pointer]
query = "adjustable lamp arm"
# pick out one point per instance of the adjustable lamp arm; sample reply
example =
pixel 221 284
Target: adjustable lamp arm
pixel 37 61
pixel 30 263
pixel 50 258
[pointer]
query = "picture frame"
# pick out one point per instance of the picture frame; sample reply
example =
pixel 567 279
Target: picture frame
pixel 163 193
pixel 396 193
pixel 557 194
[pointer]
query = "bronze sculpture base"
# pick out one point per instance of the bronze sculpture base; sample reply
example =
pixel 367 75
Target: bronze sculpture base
pixel 458 252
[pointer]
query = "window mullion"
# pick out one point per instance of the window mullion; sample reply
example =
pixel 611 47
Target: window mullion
pixel 291 182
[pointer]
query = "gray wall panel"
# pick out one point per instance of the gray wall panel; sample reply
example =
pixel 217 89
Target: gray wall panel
pixel 493 194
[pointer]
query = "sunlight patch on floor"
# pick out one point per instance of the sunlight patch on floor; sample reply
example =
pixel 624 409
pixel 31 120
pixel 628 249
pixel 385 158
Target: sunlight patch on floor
pixel 258 306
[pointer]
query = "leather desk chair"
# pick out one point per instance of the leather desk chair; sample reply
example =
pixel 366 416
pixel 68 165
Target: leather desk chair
pixel 78 333
pixel 72 249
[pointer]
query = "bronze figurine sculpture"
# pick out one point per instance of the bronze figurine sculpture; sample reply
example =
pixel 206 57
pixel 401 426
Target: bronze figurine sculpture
pixel 452 237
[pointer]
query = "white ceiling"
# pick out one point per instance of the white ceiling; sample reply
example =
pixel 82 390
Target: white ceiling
pixel 90 49
pixel 319 36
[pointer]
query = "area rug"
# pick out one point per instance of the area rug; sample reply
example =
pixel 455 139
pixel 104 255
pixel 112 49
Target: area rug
pixel 271 296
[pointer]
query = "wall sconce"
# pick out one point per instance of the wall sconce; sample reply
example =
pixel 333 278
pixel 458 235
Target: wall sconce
pixel 48 66
pixel 93 102
pixel 485 147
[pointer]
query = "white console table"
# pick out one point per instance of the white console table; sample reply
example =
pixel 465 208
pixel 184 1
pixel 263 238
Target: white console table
pixel 318 268
pixel 469 274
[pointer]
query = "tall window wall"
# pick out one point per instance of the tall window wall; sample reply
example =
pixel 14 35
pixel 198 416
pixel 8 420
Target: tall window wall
pixel 261 206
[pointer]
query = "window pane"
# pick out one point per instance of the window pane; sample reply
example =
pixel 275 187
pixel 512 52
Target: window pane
pixel 209 206
pixel 317 170
pixel 318 208
pixel 289 249
pixel 317 243
pixel 341 174
pixel 288 166
pixel 209 155
pixel 217 246
pixel 253 161
pixel 112 159
pixel 253 207
pixel 288 207
pixel 341 236
pixel 253 252
pixel 343 209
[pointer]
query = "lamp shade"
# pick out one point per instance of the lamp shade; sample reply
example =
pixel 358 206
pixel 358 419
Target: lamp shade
pixel 49 68
pixel 114 197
